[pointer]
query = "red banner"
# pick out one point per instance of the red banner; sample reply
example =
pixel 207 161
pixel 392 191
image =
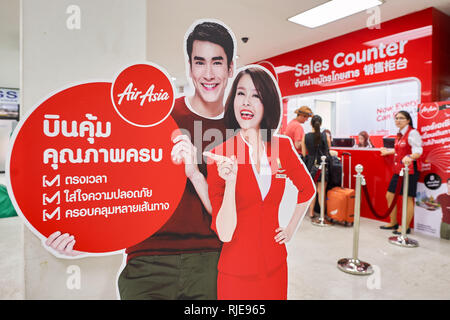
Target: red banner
pixel 432 211
pixel 394 51
pixel 93 160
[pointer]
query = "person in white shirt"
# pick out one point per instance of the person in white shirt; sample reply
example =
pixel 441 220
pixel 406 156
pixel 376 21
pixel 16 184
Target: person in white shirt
pixel 407 149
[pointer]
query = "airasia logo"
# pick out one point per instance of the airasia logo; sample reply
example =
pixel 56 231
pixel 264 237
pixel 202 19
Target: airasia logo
pixel 429 111
pixel 130 93
pixel 143 95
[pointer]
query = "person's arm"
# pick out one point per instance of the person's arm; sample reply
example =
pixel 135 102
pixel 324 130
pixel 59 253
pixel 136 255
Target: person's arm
pixel 299 134
pixel 386 151
pixel 298 144
pixel 225 220
pixel 302 180
pixel 62 244
pixel 325 142
pixel 303 147
pixel 184 151
pixel 329 140
pixel 201 187
pixel 285 234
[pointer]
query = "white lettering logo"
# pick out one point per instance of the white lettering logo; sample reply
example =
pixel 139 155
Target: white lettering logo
pixel 429 112
pixel 131 94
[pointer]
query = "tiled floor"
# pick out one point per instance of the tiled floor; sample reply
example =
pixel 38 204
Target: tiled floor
pixel 400 273
pixel 11 259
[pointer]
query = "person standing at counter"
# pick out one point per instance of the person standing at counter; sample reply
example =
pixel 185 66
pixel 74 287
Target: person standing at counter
pixel 407 149
pixel 294 129
pixel 314 146
pixel 364 140
pixel 246 183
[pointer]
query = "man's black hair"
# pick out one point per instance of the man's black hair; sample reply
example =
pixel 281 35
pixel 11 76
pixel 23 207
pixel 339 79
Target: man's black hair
pixel 211 32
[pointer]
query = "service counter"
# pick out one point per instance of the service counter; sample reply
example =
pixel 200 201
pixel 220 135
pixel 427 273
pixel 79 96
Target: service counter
pixel 377 171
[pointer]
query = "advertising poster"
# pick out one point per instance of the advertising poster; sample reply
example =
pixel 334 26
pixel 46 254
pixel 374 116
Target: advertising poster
pixel 125 167
pixel 432 210
pixel 96 146
pixel 147 158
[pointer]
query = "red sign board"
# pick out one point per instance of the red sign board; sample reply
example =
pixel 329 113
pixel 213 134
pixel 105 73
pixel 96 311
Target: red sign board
pixel 85 164
pixel 396 50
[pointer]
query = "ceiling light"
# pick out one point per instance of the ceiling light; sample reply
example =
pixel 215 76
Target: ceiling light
pixel 332 11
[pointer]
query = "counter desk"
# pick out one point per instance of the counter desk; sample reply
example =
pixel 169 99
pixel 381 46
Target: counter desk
pixel 377 171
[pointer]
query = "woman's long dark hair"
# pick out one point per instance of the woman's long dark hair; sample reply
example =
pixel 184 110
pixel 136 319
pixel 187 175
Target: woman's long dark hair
pixel 270 100
pixel 316 122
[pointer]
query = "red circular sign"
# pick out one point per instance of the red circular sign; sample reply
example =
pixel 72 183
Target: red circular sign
pixel 429 110
pixel 143 95
pixel 76 166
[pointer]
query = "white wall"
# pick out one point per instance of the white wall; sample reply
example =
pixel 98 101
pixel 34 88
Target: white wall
pixel 12 284
pixel 112 34
pixel 317 102
pixel 372 108
pixel 369 108
pixel 9 43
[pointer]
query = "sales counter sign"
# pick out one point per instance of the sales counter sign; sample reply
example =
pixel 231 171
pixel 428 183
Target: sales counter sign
pixel 93 160
pixel 397 50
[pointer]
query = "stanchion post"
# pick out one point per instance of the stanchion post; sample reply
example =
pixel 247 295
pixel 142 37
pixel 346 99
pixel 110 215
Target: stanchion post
pixel 357 211
pixel 321 221
pixel 354 265
pixel 403 240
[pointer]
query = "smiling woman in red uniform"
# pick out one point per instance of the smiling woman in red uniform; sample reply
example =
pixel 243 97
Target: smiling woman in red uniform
pixel 246 183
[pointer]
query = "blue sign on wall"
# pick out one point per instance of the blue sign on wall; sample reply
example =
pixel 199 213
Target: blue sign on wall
pixel 9 103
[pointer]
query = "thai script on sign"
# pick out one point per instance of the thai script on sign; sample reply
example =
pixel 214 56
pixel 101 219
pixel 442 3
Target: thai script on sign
pixel 113 155
pixel 434 125
pixel 118 194
pixel 145 207
pixel 90 128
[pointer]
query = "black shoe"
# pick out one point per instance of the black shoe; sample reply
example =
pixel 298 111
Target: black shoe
pixel 398 232
pixel 389 228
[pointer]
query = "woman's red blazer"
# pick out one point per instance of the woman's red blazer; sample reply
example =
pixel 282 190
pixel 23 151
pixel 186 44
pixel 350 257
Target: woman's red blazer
pixel 253 249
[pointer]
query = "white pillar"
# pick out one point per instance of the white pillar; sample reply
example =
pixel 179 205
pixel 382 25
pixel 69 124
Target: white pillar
pixel 62 43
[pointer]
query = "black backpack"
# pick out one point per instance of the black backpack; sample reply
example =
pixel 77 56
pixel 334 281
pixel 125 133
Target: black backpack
pixel 334 172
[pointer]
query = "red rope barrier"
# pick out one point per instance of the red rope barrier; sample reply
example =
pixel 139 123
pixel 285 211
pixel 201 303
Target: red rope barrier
pixel 317 175
pixel 393 204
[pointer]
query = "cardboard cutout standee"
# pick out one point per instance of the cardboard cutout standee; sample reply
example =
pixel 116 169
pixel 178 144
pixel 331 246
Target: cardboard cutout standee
pixel 93 160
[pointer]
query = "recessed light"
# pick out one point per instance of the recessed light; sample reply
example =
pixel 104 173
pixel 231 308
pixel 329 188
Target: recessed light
pixel 331 11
